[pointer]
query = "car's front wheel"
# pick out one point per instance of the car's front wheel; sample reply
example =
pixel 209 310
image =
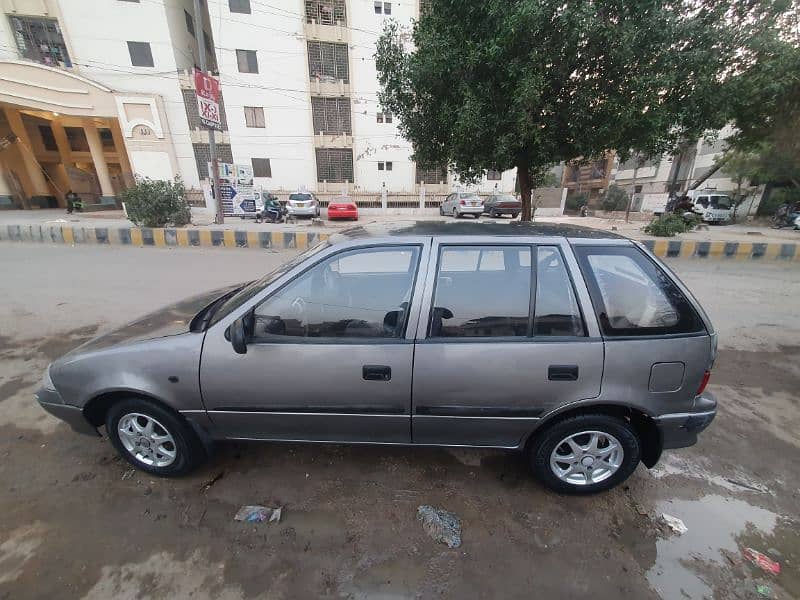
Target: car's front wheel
pixel 585 454
pixel 153 438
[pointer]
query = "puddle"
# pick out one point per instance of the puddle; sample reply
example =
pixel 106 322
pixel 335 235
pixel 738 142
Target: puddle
pixel 713 522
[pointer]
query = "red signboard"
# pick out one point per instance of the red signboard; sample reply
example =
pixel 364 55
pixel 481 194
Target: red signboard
pixel 207 90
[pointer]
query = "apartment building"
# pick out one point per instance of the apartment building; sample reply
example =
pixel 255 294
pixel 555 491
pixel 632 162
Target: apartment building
pixel 95 93
pixel 663 174
pixel 301 94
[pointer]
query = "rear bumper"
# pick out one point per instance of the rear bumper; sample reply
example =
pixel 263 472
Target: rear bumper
pixel 469 210
pixel 342 214
pixel 679 430
pixel 71 415
pixel 302 212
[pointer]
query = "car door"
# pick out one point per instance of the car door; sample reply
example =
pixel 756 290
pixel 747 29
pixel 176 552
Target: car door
pixel 328 358
pixel 504 342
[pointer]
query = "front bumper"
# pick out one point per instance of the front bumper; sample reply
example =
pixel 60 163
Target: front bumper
pixel 72 415
pixel 679 430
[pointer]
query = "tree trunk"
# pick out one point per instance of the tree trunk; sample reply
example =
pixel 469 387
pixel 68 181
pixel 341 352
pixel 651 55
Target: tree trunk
pixel 524 178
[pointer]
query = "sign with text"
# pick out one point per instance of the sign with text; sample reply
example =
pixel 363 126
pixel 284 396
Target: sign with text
pixel 207 91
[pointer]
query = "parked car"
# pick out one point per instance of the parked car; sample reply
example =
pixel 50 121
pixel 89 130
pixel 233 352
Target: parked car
pixel 577 347
pixel 303 204
pixel 710 205
pixel 498 205
pixel 459 204
pixel 342 207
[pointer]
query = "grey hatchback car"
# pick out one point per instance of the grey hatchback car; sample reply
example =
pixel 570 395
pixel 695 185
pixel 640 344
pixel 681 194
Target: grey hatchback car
pixel 577 347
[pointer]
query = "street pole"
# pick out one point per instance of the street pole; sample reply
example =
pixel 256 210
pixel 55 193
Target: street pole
pixel 212 146
pixel 633 187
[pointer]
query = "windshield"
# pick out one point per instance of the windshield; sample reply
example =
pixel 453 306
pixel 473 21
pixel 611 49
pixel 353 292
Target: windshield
pixel 723 202
pixel 254 287
pixel 300 197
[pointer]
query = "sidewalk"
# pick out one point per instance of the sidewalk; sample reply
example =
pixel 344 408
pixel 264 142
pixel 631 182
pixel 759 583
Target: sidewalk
pixel 740 241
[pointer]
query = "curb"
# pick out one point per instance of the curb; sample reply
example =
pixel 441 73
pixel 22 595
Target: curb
pixel 160 237
pixel 232 238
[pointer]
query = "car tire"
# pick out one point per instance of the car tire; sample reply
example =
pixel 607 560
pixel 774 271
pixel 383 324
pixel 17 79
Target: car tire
pixel 136 415
pixel 575 475
pixel 441 211
pixel 456 214
pixel 493 214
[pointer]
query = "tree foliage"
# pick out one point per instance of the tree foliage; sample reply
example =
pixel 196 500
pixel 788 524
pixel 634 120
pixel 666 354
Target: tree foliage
pixel 616 198
pixel 765 100
pixel 156 203
pixel 525 84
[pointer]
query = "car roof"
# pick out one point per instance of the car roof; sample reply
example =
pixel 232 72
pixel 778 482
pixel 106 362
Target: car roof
pixel 456 228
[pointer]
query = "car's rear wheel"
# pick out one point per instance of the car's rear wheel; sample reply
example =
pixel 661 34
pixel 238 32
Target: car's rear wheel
pixel 493 213
pixel 585 454
pixel 153 438
pixel 456 214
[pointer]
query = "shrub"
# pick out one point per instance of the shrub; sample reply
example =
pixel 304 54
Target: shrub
pixel 616 198
pixel 156 203
pixel 670 224
pixel 575 202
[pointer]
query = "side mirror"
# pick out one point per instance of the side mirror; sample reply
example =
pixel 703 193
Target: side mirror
pixel 237 336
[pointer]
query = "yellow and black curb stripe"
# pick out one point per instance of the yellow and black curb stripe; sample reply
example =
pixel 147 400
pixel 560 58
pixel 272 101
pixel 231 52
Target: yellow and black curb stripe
pixel 277 240
pixel 160 237
pixel 724 250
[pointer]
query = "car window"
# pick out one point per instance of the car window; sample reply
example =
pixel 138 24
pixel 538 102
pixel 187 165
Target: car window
pixel 300 197
pixel 255 287
pixel 482 291
pixel 703 201
pixel 361 293
pixel 721 202
pixel 556 311
pixel 633 296
pixel 469 195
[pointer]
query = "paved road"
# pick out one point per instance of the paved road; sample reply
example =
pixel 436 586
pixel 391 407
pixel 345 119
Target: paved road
pixel 74 525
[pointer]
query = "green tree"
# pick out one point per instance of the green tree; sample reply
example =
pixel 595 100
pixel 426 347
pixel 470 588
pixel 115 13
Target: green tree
pixel 615 198
pixel 156 203
pixel 525 84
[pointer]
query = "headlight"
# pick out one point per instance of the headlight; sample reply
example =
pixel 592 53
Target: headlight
pixel 47 382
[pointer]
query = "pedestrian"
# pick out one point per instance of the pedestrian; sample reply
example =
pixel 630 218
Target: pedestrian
pixel 72 199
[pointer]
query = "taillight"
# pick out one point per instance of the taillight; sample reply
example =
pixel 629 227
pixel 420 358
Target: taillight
pixel 352 207
pixel 462 203
pixel 703 383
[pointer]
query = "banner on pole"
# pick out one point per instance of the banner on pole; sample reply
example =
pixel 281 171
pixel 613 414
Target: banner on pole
pixel 207 91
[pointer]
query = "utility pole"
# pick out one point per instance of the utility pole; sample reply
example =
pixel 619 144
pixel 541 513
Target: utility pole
pixel 212 148
pixel 638 159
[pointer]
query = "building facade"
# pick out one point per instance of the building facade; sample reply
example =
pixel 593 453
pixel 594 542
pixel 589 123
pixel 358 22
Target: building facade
pixel 93 94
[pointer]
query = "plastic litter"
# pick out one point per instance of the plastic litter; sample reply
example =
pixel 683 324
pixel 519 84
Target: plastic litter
pixel 764 591
pixel 443 526
pixel 762 561
pixel 258 514
pixel 674 523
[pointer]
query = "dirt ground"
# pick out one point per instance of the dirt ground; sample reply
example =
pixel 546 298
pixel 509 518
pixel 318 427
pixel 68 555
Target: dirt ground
pixel 76 522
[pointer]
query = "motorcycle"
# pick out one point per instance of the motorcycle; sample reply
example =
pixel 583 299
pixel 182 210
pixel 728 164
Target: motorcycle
pixel 786 216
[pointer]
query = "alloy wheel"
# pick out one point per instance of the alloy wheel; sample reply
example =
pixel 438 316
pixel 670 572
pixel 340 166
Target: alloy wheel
pixel 147 440
pixel 587 457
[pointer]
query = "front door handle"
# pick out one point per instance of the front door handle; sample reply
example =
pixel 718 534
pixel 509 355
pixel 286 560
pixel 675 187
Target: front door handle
pixel 562 372
pixel 376 372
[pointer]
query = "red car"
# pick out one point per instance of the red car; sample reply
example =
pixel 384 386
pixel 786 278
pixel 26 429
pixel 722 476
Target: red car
pixel 342 207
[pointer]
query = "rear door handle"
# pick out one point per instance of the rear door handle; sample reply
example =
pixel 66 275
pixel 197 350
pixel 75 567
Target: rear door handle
pixel 562 372
pixel 376 372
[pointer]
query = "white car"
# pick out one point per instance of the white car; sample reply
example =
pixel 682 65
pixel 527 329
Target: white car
pixel 303 204
pixel 459 204
pixel 712 207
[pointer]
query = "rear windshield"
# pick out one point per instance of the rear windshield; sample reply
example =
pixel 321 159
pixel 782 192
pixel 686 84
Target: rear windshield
pixel 633 296
pixel 470 196
pixel 300 197
pixel 505 199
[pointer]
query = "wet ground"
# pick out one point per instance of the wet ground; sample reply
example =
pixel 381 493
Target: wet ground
pixel 76 522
